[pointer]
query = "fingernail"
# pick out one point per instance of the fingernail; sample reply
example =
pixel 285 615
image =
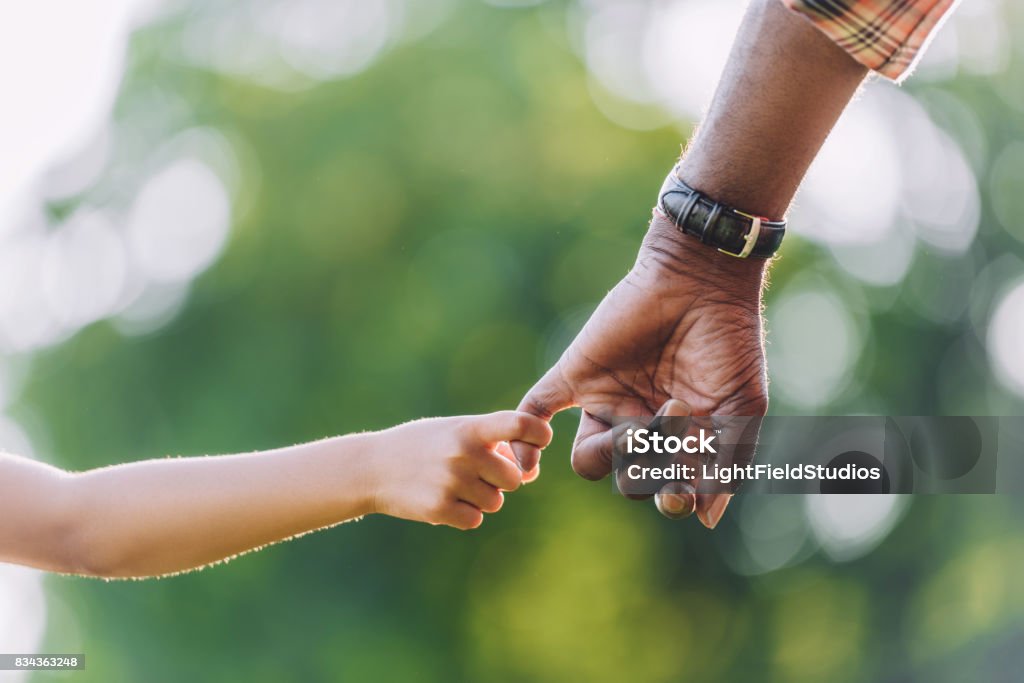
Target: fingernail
pixel 523 454
pixel 675 506
pixel 672 504
pixel 676 408
pixel 716 510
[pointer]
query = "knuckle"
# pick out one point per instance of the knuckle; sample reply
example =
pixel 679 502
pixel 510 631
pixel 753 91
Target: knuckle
pixel 521 422
pixel 473 520
pixel 549 434
pixel 452 485
pixel 504 473
pixel 537 403
pixel 465 519
pixel 583 464
pixel 513 481
pixel 457 460
pixel 495 502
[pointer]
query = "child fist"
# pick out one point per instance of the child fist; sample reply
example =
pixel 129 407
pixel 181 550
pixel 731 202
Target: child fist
pixel 452 470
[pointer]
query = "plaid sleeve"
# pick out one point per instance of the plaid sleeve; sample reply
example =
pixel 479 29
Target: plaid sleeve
pixel 886 36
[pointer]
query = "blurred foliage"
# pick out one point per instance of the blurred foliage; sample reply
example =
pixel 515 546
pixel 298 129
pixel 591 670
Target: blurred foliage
pixel 422 239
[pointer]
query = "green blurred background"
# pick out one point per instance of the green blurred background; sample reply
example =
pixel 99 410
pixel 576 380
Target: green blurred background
pixel 303 219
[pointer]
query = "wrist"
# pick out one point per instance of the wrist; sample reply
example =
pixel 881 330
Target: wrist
pixel 682 259
pixel 364 469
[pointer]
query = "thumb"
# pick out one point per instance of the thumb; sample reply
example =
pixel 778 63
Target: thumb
pixel 552 394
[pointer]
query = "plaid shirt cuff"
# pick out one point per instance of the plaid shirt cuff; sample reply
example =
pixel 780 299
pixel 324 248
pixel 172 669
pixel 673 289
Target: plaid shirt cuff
pixel 886 36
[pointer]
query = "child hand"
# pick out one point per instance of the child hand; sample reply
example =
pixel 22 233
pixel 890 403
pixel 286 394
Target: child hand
pixel 449 470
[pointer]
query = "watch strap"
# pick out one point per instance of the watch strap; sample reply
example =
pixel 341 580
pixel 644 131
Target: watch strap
pixel 731 231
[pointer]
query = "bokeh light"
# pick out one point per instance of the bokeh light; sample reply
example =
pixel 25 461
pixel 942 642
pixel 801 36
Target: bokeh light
pixel 850 526
pixel 1005 188
pixel 56 105
pixel 83 270
pixel 858 161
pixel 179 222
pixel 815 342
pixel 1006 339
pixel 22 615
pixel 678 74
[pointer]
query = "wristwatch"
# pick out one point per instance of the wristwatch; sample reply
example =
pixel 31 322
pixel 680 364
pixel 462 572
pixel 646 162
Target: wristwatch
pixel 730 230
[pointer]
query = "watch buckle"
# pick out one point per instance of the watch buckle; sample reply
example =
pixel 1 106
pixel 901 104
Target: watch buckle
pixel 750 240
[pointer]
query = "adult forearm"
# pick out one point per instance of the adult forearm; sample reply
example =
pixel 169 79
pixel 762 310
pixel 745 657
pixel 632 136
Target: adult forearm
pixel 782 90
pixel 165 516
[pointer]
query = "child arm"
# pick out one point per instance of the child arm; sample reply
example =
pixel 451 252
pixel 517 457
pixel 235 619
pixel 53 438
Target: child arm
pixel 164 516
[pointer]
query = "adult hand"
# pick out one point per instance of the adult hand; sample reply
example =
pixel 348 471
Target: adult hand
pixel 685 324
